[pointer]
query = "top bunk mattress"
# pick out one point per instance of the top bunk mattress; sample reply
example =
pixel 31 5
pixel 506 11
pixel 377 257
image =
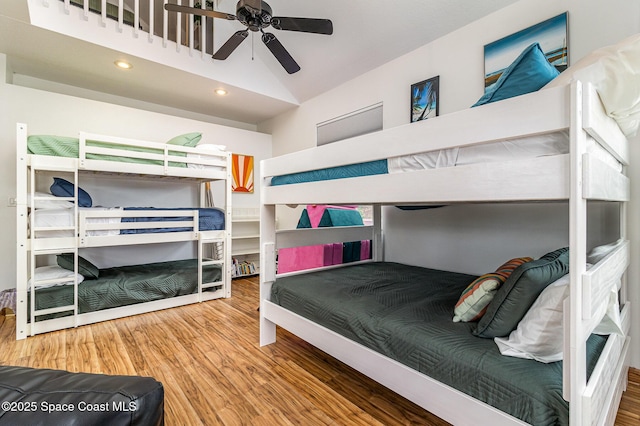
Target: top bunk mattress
pixel 529 147
pixel 405 313
pixel 62 146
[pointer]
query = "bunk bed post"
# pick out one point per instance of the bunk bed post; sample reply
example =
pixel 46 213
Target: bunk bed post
pixel 377 251
pixel 267 269
pixel 21 228
pixel 228 227
pixel 267 262
pixel 575 336
pixel 76 182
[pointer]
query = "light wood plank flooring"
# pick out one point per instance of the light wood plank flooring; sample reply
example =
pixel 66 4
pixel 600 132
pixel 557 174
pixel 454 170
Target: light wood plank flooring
pixel 214 372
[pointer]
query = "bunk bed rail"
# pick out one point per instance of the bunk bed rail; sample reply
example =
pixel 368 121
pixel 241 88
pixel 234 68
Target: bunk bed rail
pixel 314 236
pixel 608 380
pixel 104 227
pixel 537 113
pixel 602 278
pixel 167 159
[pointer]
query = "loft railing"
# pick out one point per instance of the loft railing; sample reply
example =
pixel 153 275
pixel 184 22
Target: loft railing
pixel 150 17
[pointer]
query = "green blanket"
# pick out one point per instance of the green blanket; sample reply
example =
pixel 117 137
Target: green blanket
pixel 62 146
pixel 128 285
pixel 406 312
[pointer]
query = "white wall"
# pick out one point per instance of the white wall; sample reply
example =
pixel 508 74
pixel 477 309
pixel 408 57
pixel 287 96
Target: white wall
pixel 469 238
pixel 53 113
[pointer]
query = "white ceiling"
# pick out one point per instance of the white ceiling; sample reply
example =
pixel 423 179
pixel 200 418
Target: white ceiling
pixel 366 35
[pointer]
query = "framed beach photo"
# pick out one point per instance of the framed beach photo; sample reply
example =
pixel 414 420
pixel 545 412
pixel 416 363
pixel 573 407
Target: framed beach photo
pixel 552 35
pixel 424 99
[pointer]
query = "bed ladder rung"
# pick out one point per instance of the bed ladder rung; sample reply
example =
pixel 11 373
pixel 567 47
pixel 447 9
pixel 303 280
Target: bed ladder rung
pixel 54 228
pixel 211 240
pixel 48 198
pixel 50 281
pixel 59 250
pixel 212 262
pixel 37 164
pixel 54 310
pixel 212 284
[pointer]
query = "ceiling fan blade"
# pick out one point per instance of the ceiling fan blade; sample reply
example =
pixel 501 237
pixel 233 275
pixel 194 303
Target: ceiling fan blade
pixel 280 53
pixel 231 45
pixel 306 25
pixel 197 11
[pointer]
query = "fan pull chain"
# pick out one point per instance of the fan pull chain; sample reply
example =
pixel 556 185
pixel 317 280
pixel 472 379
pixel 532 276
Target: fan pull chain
pixel 252 38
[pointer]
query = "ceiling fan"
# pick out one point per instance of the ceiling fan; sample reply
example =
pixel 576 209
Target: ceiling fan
pixel 256 15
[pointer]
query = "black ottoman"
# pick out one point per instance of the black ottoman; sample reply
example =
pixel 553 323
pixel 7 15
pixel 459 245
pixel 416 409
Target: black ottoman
pixel 33 396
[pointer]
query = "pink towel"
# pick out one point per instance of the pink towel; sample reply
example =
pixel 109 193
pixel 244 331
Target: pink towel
pixel 365 249
pixel 298 258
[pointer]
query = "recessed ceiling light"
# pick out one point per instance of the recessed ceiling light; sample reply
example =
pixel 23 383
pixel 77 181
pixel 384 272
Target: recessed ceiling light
pixel 123 64
pixel 221 92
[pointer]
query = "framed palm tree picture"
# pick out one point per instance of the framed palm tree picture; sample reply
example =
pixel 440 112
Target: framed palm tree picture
pixel 424 99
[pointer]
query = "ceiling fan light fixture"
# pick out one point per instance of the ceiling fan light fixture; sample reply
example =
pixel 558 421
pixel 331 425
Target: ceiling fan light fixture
pixel 221 92
pixel 123 65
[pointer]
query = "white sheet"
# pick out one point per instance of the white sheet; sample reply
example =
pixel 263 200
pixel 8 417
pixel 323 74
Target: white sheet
pixel 54 272
pixel 57 218
pixel 535 146
pixel 530 147
pixel 204 148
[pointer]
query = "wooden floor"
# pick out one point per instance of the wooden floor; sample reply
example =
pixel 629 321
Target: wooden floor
pixel 214 372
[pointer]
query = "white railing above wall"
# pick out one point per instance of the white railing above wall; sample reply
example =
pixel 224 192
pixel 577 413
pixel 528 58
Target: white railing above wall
pixel 143 29
pixel 149 16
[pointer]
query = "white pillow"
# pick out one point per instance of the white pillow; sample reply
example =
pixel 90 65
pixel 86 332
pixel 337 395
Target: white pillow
pixel 611 322
pixel 598 253
pixel 205 147
pixel 210 147
pixel 539 334
pixel 615 72
pixel 54 272
pixel 51 202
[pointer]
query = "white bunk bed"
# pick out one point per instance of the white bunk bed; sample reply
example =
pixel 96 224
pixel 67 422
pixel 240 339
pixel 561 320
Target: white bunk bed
pixel 103 227
pixel 575 177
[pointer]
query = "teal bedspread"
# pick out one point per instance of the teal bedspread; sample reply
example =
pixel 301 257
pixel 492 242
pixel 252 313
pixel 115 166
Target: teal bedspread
pixel 378 167
pixel 128 285
pixel 406 312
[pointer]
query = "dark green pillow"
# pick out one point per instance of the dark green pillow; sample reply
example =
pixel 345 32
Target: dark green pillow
pixel 514 298
pixel 85 268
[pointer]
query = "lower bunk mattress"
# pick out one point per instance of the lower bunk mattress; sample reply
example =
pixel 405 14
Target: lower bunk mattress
pixel 405 313
pixel 128 285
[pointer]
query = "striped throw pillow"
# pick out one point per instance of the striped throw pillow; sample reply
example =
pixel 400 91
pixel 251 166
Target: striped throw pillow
pixel 476 297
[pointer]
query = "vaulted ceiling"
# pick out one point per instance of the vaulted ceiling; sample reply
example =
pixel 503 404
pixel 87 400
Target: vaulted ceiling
pixel 366 35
